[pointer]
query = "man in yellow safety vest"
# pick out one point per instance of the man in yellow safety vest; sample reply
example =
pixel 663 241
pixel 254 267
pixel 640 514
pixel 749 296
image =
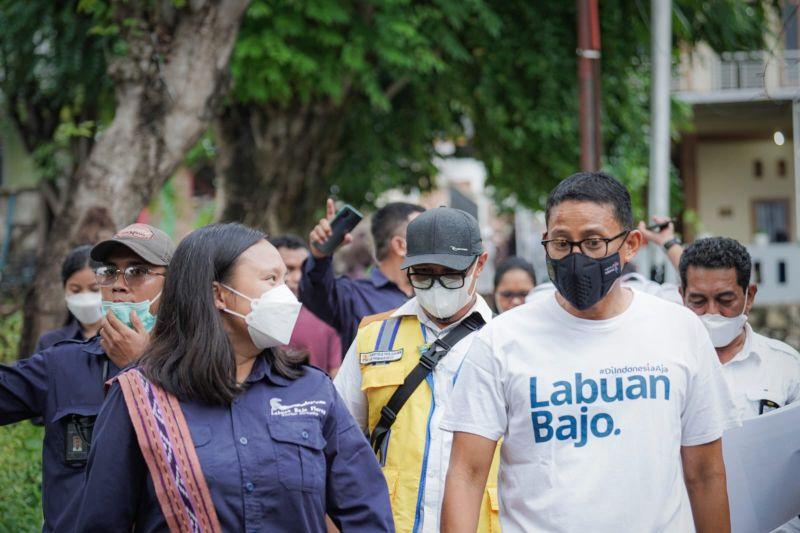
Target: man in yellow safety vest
pixel 398 376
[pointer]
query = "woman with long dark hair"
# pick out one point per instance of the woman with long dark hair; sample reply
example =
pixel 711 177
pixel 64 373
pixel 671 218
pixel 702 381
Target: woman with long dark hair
pixel 218 429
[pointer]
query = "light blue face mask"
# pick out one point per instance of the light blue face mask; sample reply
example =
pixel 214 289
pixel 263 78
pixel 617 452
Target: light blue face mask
pixel 122 310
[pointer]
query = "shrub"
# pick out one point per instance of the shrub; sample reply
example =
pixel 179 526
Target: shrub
pixel 20 454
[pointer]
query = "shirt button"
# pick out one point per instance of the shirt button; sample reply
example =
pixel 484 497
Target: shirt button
pixel 304 434
pixel 249 487
pixel 243 440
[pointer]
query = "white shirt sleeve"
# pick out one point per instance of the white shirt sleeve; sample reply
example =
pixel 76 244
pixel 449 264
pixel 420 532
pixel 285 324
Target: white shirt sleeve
pixel 793 394
pixel 478 403
pixel 348 385
pixel 708 404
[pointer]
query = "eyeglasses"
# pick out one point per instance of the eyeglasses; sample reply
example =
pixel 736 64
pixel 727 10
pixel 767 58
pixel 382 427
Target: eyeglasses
pixel 595 247
pixel 424 280
pixel 134 275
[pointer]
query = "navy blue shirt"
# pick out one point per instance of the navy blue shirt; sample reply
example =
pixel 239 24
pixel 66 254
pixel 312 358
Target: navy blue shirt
pixel 342 302
pixel 66 379
pixel 277 459
pixel 70 332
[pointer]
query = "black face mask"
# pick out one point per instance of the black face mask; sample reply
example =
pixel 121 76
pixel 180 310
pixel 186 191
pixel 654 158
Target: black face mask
pixel 582 280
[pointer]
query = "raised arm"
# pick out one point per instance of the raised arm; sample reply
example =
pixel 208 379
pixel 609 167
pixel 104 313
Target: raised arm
pixel 661 238
pixel 320 291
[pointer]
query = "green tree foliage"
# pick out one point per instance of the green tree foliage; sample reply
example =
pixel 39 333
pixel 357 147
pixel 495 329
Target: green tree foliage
pixel 53 82
pixel 402 73
pixel 524 100
pixel 375 72
pixel 408 72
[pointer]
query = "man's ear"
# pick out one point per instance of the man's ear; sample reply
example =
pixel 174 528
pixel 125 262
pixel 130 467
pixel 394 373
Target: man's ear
pixel 752 289
pixel 480 263
pixel 682 293
pixel 631 246
pixel 398 245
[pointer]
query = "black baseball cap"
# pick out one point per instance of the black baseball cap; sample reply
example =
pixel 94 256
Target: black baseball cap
pixel 443 236
pixel 149 243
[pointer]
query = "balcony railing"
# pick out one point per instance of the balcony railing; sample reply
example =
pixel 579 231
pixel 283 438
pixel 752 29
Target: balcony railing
pixel 776 270
pixel 739 71
pixel 790 73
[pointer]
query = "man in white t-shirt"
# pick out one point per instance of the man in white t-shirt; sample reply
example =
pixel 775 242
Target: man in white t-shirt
pixel 607 399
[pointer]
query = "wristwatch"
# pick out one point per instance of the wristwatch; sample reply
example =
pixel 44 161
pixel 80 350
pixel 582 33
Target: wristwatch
pixel 672 242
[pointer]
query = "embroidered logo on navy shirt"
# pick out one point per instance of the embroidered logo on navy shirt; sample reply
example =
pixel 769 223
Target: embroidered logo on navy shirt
pixel 309 408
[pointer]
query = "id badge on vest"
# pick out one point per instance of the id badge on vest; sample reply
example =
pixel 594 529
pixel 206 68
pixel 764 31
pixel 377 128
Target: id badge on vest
pixel 77 437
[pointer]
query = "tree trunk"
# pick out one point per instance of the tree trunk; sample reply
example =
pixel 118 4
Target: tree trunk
pixel 168 87
pixel 272 163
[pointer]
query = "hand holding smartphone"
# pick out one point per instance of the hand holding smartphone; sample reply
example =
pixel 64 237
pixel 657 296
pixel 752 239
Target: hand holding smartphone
pixel 659 227
pixel 332 231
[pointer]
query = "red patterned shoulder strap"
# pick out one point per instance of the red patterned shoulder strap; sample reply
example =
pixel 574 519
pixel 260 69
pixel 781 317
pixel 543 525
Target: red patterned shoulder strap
pixel 169 452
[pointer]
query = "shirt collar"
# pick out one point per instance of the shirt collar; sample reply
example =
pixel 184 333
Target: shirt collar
pixel 263 370
pixel 93 346
pixel 752 346
pixel 412 308
pixel 378 279
pixel 73 329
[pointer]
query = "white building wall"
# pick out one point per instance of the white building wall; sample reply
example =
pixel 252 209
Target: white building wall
pixel 726 184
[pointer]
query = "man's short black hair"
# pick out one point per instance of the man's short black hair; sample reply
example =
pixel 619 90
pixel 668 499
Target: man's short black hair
pixel 289 241
pixel 597 187
pixel 387 221
pixel 717 252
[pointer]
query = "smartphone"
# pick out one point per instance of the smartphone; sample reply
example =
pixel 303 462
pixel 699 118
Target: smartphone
pixel 660 227
pixel 345 220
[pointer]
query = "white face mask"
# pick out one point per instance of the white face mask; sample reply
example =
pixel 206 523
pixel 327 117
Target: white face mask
pixel 724 330
pixel 444 303
pixel 272 317
pixel 85 306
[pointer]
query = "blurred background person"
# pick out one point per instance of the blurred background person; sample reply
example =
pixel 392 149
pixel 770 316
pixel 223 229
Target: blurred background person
pixel 342 302
pixel 82 295
pixel 311 336
pixel 514 279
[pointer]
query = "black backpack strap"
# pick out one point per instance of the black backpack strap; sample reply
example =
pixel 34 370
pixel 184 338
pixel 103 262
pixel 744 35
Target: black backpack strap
pixel 427 362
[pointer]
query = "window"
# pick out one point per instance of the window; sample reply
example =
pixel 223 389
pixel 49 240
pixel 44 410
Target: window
pixel 771 217
pixel 781 168
pixel 758 169
pixel 790 21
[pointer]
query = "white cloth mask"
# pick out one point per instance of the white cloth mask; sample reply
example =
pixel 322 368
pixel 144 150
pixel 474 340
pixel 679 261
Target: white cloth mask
pixel 272 317
pixel 444 303
pixel 85 306
pixel 723 330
